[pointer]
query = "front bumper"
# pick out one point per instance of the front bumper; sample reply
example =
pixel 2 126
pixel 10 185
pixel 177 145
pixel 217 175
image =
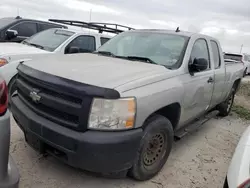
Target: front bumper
pixel 239 168
pixel 96 151
pixel 9 175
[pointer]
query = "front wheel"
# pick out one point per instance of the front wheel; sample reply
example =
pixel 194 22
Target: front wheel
pixel 154 149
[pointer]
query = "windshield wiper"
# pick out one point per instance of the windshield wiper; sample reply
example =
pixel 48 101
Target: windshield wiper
pixel 145 59
pixel 105 53
pixel 36 45
pixel 24 42
pixel 32 44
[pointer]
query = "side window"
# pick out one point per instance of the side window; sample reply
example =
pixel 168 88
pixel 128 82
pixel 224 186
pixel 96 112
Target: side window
pixel 200 50
pixel 84 43
pixel 26 29
pixel 104 40
pixel 216 54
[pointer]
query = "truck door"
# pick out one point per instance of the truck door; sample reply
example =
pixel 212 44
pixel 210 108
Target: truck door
pixel 219 73
pixel 199 83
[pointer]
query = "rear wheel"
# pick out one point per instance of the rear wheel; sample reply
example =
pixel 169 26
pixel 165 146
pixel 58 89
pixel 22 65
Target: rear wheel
pixel 245 72
pixel 154 149
pixel 226 107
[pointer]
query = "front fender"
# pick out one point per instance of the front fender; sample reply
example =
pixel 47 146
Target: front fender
pixel 9 70
pixel 153 97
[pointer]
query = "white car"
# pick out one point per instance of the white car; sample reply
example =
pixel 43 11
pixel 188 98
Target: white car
pixel 9 176
pixel 43 44
pixel 246 61
pixel 238 175
pixel 240 58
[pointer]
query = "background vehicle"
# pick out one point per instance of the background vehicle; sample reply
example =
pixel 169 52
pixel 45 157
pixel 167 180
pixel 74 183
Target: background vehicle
pixel 246 61
pixel 9 176
pixel 50 42
pixel 238 173
pixel 241 58
pixel 124 102
pixel 18 29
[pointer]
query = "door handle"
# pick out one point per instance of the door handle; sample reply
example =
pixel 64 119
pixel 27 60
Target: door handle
pixel 210 80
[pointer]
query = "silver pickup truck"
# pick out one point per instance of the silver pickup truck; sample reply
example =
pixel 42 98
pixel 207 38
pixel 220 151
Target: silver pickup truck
pixel 118 109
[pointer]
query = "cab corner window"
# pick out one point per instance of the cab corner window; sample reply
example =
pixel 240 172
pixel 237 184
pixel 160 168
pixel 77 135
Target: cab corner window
pixel 199 59
pixel 216 54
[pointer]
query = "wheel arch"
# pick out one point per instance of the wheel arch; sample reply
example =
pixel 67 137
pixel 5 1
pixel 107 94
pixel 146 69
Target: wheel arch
pixel 172 112
pixel 236 84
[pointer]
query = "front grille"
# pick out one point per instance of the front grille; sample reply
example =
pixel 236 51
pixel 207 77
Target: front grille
pixel 57 105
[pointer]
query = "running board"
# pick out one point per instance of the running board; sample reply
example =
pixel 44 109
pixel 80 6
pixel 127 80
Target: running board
pixel 195 125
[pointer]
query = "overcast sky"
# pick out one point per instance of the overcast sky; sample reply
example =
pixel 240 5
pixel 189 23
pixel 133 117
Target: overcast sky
pixel 227 20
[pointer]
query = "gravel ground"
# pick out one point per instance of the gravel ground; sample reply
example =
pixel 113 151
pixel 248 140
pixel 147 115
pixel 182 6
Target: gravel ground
pixel 199 160
pixel 246 79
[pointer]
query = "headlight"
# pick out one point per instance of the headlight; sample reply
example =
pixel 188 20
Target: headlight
pixel 112 114
pixel 3 62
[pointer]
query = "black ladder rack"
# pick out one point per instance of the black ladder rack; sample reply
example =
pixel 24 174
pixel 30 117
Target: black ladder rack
pixel 101 27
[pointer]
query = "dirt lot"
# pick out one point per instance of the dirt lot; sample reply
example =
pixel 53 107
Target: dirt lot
pixel 199 160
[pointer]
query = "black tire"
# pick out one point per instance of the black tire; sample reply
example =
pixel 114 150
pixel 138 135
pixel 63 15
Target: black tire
pixel 226 107
pixel 154 149
pixel 245 72
pixel 12 86
pixel 225 184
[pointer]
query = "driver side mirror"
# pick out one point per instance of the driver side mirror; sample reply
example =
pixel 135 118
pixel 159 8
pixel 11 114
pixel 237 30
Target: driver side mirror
pixel 11 34
pixel 198 65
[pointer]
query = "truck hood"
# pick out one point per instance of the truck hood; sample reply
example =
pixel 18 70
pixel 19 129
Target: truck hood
pixel 12 48
pixel 96 69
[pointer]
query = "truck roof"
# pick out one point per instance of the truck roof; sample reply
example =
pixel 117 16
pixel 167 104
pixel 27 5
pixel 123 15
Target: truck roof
pixel 79 31
pixel 180 33
pixel 18 19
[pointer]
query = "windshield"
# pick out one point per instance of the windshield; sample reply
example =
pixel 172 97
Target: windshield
pixel 162 49
pixel 49 39
pixel 5 22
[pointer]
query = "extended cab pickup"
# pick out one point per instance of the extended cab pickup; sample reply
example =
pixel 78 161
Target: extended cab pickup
pixel 119 108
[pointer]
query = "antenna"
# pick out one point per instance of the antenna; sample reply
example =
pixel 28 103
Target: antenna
pixel 177 29
pixel 90 15
pixel 241 47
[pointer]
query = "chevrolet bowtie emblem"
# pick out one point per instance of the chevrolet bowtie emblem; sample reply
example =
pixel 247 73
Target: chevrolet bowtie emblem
pixel 35 97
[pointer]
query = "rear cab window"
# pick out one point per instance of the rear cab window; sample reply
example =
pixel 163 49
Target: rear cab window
pixel 104 40
pixel 234 57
